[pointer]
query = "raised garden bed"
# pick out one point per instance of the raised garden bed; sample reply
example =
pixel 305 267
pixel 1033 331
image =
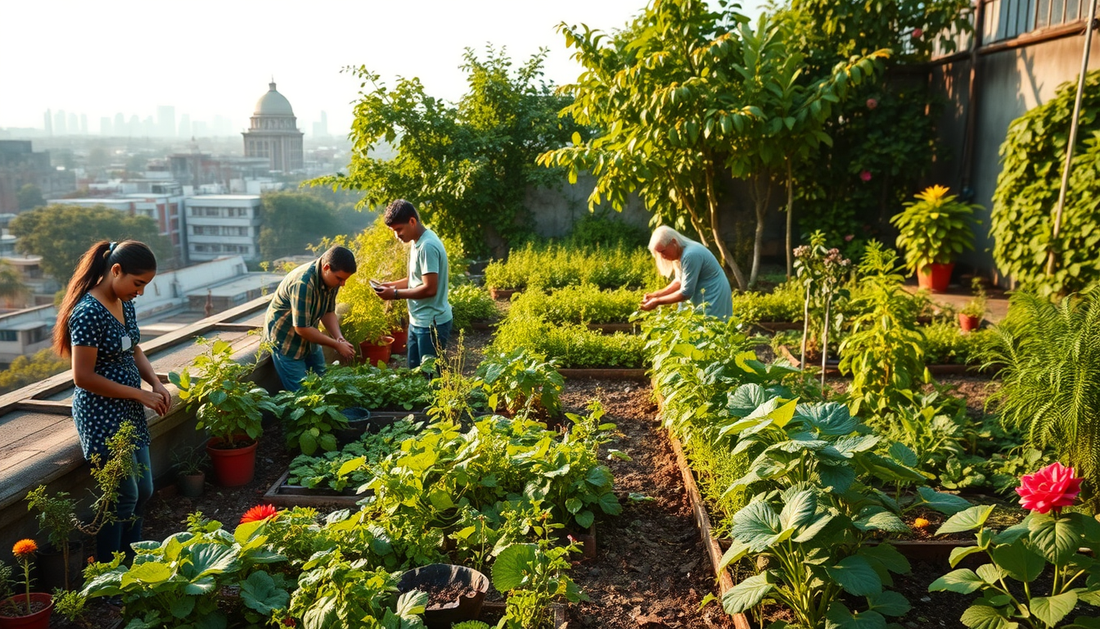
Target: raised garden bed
pixel 282 494
pixel 601 373
pixel 831 368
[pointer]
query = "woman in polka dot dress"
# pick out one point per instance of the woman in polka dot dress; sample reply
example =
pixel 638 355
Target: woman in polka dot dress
pixel 97 326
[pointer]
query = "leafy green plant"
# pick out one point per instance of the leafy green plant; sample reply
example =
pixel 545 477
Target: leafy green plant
pixel 521 381
pixel 1050 357
pixel 189 460
pixel 821 272
pixel 57 518
pixel 556 267
pixel 311 418
pixel 331 469
pixel 229 406
pixel 378 256
pixel 976 306
pixel 371 387
pixel 179 582
pixel 945 344
pixel 568 345
pixel 1048 540
pixel 935 229
pixel 470 303
pixel 5 580
pixel 883 351
pixel 1033 154
pixel 783 303
pixel 582 303
pixel 533 576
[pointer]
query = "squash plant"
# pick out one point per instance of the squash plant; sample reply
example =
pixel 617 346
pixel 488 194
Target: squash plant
pixel 521 382
pixel 310 417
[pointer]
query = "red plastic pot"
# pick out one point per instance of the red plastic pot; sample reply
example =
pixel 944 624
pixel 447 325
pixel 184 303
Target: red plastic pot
pixel 968 323
pixel 935 277
pixel 400 340
pixel 374 353
pixel 39 619
pixel 233 466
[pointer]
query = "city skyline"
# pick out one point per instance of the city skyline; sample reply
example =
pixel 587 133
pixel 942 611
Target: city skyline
pixel 215 60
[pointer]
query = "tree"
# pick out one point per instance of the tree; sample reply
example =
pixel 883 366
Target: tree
pixel 294 220
pixel 30 197
pixel 62 233
pixel 27 369
pixel 685 95
pixel 11 282
pixel 466 167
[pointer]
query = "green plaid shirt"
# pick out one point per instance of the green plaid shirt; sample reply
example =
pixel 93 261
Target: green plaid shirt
pixel 300 301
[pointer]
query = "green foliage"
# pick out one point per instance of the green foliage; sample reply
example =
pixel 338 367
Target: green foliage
pixel 945 344
pixel 362 455
pixel 311 416
pixel 1051 378
pixel 783 303
pixel 228 405
pixel 1033 154
pixel 364 316
pixel 373 388
pixel 1041 543
pixel 522 382
pixel 470 303
pixel 822 273
pixel 883 352
pixel 602 229
pixel 179 582
pixel 334 591
pixel 466 167
pixel 582 303
pixel 935 229
pixel 557 267
pixel 25 370
pixel 976 306
pixel 292 221
pixel 5 580
pixel 533 576
pixel 62 233
pixel 569 345
pixel 29 197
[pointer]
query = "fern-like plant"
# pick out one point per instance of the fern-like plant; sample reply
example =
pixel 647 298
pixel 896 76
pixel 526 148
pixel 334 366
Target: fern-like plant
pixel 1049 355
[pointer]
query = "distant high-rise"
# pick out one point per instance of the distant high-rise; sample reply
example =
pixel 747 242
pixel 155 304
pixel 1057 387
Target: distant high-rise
pixel 273 132
pixel 320 129
pixel 166 121
pixel 185 126
pixel 59 128
pixel 48 119
pixel 198 129
pixel 133 129
pixel 74 124
pixel 120 124
pixel 83 124
pixel 105 125
pixel 148 127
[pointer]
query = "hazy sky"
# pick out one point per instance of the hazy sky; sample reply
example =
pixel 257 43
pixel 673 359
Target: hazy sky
pixel 210 58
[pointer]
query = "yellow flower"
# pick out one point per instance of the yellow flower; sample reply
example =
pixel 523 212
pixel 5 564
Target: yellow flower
pixel 24 549
pixel 921 523
pixel 933 194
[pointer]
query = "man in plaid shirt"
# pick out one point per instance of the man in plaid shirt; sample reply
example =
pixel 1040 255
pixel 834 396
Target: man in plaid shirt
pixel 306 297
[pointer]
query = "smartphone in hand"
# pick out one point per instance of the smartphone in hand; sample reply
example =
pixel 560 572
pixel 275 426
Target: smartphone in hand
pixel 377 286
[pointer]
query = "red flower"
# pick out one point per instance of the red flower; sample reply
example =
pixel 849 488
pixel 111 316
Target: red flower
pixel 871 103
pixel 865 175
pixel 917 32
pixel 259 512
pixel 24 549
pixel 1052 487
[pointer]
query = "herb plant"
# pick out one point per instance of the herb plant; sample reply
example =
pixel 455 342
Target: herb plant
pixel 578 304
pixel 935 229
pixel 521 382
pixel 327 470
pixel 557 267
pixel 569 345
pixel 471 303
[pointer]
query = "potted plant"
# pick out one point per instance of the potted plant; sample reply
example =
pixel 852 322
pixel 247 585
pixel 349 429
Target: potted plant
pixel 229 407
pixel 365 323
pixel 57 519
pixel 970 317
pixel 190 477
pixel 933 231
pixel 26 610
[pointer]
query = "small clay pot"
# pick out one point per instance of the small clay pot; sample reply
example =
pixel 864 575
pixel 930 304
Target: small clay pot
pixel 191 485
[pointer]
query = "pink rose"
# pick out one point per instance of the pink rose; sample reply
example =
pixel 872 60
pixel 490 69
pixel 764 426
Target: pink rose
pixel 865 175
pixel 871 103
pixel 849 237
pixel 917 32
pixel 1052 487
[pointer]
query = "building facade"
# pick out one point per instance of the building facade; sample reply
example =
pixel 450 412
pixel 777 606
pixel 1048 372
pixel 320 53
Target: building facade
pixel 220 225
pixel 20 166
pixel 273 133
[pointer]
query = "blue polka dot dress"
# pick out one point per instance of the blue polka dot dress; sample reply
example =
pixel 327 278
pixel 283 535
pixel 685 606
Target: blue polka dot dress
pixel 98 418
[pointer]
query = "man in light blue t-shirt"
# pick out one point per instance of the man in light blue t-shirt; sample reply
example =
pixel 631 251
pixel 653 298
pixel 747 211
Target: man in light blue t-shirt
pixel 425 288
pixel 696 274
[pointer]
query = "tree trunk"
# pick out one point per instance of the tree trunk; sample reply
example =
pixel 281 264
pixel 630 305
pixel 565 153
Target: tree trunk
pixel 727 257
pixel 696 222
pixel 760 201
pixel 825 340
pixel 790 213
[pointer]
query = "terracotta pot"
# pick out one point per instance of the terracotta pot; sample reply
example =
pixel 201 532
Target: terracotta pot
pixel 935 277
pixel 39 619
pixel 233 467
pixel 191 485
pixel 374 353
pixel 968 323
pixel 400 340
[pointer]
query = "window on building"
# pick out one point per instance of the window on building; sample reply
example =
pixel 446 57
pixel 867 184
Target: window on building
pixel 9 336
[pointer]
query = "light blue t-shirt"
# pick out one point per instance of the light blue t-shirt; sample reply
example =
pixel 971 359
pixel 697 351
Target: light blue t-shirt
pixel 427 255
pixel 702 280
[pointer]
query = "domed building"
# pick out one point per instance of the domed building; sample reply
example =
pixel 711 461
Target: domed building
pixel 273 133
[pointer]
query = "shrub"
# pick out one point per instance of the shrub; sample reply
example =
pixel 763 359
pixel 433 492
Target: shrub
pixel 556 267
pixel 471 303
pixel 578 304
pixel 784 303
pixel 945 344
pixel 571 345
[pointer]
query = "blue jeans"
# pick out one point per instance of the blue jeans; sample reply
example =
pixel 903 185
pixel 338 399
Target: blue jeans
pixel 132 494
pixel 425 342
pixel 293 370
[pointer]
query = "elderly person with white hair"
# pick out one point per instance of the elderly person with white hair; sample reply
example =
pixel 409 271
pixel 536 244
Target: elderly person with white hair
pixel 695 272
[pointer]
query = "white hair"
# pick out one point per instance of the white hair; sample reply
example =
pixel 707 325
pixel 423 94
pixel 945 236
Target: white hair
pixel 661 237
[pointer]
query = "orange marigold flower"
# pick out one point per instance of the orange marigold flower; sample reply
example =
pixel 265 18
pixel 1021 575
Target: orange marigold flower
pixel 24 548
pixel 921 523
pixel 259 512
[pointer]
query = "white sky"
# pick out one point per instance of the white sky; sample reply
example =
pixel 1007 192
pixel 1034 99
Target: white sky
pixel 207 57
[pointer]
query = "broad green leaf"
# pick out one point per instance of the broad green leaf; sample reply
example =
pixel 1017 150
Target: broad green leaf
pixel 948 504
pixel 1052 609
pixel 746 594
pixel 182 606
pixel 259 593
pixel 963 581
pixel 798 509
pixel 984 617
pixel 585 518
pixel 889 603
pixel 733 554
pixel 513 566
pixel 350 466
pixel 855 576
pixel 609 503
pixel 1056 538
pixel 151 572
pixel 888 556
pixel 966 520
pixel 1020 562
pixel 757 525
pixel 878 519
pixel 991 573
pixel 962 552
pixel 840 617
pixel 210 559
